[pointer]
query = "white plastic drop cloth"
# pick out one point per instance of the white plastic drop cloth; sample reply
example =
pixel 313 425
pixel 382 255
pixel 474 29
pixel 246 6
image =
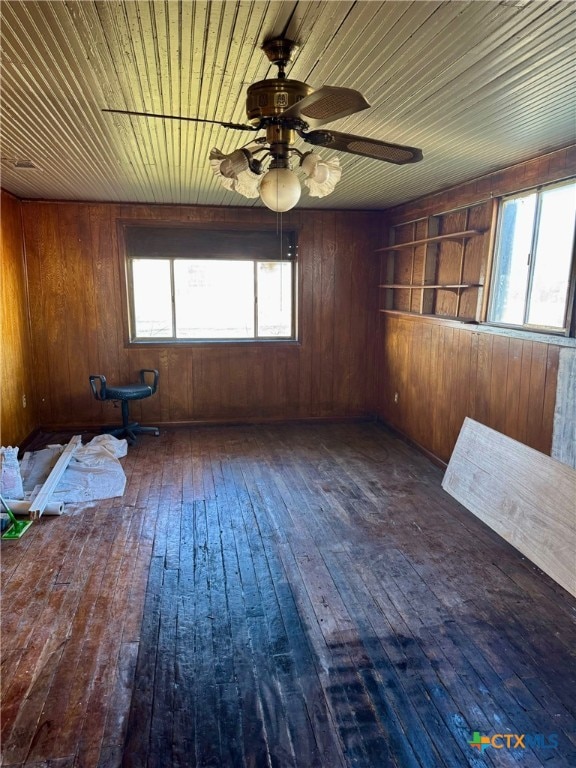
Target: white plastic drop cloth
pixel 94 471
pixel 10 477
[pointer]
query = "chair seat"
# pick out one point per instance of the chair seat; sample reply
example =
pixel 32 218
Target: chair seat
pixel 128 392
pixel 124 393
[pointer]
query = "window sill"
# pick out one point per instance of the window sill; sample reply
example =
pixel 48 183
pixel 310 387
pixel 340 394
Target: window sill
pixel 194 344
pixel 519 333
pixel 495 330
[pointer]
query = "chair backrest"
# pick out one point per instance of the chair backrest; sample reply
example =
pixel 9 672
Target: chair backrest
pixel 98 385
pixel 155 374
pixel 148 378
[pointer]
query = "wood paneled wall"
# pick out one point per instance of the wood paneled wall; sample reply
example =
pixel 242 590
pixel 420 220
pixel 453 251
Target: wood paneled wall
pixel 16 421
pixel 74 268
pixel 550 167
pixel 443 371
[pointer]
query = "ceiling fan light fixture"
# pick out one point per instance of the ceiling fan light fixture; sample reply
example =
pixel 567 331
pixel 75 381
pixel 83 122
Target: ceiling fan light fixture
pixel 322 175
pixel 284 109
pixel 280 189
pixel 235 171
pixel 247 183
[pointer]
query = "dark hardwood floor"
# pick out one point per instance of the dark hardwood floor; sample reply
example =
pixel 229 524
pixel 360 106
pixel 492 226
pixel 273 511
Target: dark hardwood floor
pixel 280 596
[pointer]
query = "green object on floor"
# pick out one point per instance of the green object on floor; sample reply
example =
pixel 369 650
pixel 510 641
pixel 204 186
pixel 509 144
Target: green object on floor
pixel 18 527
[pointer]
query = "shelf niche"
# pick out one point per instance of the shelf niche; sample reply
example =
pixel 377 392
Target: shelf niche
pixel 433 270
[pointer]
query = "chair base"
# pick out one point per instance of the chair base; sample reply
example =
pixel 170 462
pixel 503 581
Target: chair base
pixel 129 431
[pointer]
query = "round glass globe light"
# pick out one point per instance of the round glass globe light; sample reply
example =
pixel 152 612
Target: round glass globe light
pixel 280 189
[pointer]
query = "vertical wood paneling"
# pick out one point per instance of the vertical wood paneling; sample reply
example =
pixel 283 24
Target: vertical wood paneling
pixel 443 373
pixel 77 323
pixel 314 324
pixel 16 422
pixel 40 307
pixel 328 252
pixel 537 391
pixel 79 335
pixel 524 391
pixel 550 392
pixel 482 390
pixel 445 338
pixel 435 415
pixel 564 439
pixel 464 366
pixel 307 275
pixel 349 288
pixel 545 169
pixel 513 385
pixel 422 348
pixel 498 367
pixel 505 382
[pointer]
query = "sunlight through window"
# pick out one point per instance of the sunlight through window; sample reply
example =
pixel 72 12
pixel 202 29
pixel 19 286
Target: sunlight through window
pixel 533 261
pixel 214 298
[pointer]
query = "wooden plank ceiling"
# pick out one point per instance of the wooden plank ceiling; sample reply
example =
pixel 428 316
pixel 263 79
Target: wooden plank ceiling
pixel 477 85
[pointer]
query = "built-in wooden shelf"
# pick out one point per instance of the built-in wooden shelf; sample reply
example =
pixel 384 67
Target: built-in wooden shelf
pixel 456 236
pixel 424 268
pixel 416 287
pixel 436 318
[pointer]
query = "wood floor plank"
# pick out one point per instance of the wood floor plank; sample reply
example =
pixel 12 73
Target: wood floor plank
pixel 92 640
pixel 296 596
pixel 312 689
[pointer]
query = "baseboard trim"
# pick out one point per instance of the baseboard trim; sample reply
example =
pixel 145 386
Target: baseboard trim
pixel 241 421
pixel 413 444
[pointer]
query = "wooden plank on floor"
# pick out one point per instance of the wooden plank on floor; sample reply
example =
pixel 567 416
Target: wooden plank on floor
pixel 564 434
pixel 525 496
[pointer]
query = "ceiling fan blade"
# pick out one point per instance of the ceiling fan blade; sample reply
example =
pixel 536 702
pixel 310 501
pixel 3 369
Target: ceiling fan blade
pixel 236 126
pixel 326 104
pixel 360 145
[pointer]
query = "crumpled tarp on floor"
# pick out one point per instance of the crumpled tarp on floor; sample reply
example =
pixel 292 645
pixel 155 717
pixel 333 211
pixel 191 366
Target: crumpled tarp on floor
pixel 93 473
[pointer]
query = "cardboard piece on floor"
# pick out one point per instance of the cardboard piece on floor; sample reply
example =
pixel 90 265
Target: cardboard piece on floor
pixel 522 494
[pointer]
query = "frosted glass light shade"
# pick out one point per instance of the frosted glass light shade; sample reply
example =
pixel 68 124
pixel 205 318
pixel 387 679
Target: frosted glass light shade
pixel 234 171
pixel 323 175
pixel 280 189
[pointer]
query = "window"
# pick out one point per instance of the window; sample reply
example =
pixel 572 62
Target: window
pixel 192 284
pixel 533 259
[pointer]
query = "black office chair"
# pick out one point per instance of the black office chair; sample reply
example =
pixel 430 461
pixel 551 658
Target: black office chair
pixel 123 394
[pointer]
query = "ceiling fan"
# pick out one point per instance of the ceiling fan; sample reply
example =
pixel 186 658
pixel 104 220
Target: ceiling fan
pixel 286 109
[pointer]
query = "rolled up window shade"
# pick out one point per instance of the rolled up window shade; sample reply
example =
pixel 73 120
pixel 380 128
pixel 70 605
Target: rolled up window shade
pixel 190 242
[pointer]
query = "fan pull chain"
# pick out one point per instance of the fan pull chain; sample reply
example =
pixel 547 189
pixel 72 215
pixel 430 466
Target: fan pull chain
pixel 281 264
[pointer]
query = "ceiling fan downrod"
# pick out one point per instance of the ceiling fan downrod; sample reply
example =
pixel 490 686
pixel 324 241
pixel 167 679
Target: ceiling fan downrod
pixel 279 51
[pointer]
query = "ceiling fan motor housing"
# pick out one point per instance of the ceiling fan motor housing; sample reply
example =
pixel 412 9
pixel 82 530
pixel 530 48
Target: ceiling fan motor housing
pixel 269 98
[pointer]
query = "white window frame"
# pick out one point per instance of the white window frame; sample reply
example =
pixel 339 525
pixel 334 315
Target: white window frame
pixel 567 327
pixel 240 254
